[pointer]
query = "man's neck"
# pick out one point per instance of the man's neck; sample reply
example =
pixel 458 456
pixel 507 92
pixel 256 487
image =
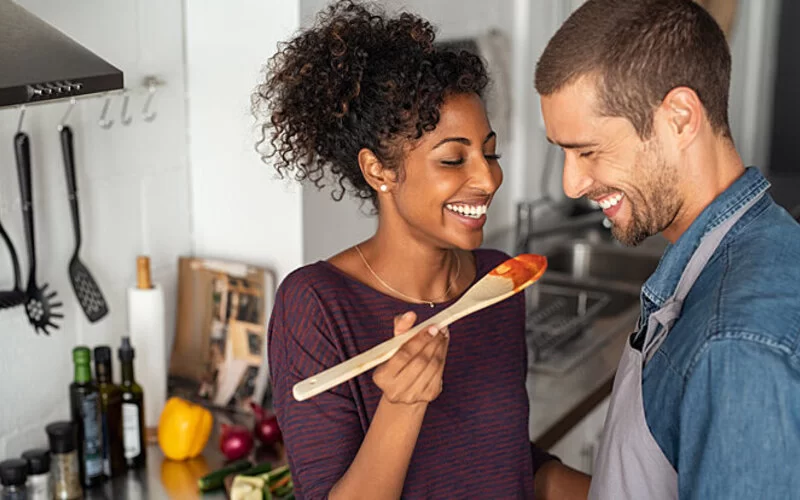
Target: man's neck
pixel 708 171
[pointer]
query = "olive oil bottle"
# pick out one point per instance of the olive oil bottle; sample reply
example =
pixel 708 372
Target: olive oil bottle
pixel 132 410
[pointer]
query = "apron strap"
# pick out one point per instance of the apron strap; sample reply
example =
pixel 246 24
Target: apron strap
pixel 661 321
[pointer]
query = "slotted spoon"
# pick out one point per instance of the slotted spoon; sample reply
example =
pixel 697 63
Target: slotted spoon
pixel 510 277
pixel 41 307
pixel 83 283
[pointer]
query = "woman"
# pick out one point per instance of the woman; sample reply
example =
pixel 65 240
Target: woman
pixel 367 101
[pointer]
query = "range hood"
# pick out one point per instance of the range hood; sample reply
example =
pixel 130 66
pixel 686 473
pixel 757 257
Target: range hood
pixel 40 63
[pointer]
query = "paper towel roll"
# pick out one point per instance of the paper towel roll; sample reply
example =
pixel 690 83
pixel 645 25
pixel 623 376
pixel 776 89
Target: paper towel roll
pixel 147 329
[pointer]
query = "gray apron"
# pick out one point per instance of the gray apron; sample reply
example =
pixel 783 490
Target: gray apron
pixel 629 463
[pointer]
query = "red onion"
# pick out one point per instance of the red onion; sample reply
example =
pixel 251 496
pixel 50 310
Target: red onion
pixel 266 427
pixel 235 442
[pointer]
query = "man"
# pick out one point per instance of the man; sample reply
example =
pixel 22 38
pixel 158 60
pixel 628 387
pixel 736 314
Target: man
pixel 706 401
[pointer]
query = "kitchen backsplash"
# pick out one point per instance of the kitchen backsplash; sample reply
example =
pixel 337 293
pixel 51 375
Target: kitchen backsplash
pixel 134 197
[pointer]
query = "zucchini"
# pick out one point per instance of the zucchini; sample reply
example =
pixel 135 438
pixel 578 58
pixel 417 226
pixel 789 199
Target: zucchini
pixel 216 480
pixel 257 470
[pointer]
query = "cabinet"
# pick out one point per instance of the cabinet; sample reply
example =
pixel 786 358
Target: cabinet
pixel 578 447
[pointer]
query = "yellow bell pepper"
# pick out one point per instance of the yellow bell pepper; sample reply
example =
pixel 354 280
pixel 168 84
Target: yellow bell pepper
pixel 183 429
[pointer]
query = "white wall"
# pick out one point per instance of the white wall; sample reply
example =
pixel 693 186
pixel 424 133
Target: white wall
pixel 134 198
pixel 240 210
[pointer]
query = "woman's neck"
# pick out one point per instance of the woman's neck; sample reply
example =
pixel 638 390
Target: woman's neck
pixel 414 267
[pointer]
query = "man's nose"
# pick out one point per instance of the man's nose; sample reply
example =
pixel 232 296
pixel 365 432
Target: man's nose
pixel 575 180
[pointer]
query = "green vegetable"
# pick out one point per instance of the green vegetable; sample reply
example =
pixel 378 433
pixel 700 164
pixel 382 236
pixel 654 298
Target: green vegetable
pixel 216 480
pixel 282 491
pixel 257 470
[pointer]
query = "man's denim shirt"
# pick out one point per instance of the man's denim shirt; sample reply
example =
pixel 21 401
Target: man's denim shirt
pixel 722 393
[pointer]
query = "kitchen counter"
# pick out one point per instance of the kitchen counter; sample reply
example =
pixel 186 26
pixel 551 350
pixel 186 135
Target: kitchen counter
pixel 164 479
pixel 560 400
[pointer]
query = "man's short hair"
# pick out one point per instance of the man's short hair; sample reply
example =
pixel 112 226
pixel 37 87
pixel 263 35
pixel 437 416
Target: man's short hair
pixel 638 51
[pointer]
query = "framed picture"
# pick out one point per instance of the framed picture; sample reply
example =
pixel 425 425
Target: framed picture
pixel 219 357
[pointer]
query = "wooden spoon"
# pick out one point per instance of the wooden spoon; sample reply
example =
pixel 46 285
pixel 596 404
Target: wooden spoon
pixel 510 277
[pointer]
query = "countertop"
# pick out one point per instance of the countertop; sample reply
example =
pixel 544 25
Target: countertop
pixel 560 401
pixel 167 479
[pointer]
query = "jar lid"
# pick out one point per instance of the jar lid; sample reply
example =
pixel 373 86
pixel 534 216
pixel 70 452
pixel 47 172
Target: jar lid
pixel 61 436
pixel 13 472
pixel 38 461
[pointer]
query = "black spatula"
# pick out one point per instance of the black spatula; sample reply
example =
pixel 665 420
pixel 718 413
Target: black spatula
pixel 89 295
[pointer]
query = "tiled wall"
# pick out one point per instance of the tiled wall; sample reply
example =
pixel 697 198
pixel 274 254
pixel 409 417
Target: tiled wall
pixel 134 190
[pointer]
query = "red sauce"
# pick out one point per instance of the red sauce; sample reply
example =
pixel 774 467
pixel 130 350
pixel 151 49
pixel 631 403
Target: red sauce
pixel 522 269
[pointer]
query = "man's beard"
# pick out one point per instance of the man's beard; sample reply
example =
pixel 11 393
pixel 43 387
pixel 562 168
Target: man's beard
pixel 654 201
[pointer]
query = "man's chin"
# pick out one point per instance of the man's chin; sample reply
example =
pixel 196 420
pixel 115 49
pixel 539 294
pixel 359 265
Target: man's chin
pixel 628 236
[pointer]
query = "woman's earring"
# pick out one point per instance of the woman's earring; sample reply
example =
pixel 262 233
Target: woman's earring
pixel 384 187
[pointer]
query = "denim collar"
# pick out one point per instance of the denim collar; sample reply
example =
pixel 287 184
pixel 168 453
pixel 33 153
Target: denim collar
pixel 661 285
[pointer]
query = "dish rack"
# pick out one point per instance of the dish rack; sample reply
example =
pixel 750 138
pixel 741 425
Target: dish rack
pixel 558 314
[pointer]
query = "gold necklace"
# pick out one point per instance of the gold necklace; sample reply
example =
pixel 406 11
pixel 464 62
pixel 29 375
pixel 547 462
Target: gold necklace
pixel 414 299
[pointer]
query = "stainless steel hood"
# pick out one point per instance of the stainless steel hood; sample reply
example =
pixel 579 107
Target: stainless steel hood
pixel 40 63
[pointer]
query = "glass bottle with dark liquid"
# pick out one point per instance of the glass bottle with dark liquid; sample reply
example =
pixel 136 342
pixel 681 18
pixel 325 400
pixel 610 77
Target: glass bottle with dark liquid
pixel 86 415
pixel 132 409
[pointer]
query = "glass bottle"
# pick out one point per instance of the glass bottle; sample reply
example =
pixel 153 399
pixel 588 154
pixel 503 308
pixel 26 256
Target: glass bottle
pixel 38 474
pixel 111 403
pixel 13 476
pixel 132 409
pixel 64 466
pixel 87 415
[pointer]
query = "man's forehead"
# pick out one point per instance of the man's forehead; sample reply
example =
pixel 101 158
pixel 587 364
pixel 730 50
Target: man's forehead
pixel 570 114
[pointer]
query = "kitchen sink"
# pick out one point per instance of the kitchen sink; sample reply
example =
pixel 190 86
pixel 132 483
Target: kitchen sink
pixel 583 261
pixel 588 294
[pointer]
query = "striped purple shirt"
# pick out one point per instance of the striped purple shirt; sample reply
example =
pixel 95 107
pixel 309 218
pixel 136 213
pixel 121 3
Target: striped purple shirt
pixel 474 438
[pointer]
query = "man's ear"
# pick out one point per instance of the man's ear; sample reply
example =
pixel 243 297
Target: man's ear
pixel 683 113
pixel 380 178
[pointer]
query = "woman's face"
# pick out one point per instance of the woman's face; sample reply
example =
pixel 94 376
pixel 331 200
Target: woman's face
pixel 450 176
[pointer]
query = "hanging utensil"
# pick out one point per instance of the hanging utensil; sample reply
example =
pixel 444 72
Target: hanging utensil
pixel 510 277
pixel 40 307
pixel 16 296
pixel 86 289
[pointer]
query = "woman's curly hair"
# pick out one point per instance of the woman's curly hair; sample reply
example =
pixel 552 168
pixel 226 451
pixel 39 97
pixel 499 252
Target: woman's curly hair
pixel 356 79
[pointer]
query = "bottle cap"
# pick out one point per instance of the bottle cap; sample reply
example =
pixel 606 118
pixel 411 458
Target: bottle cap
pixel 126 351
pixel 61 436
pixel 38 461
pixel 102 354
pixel 13 472
pixel 81 355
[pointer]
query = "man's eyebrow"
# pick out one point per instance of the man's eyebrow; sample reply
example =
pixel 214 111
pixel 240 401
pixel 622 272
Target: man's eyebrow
pixel 573 145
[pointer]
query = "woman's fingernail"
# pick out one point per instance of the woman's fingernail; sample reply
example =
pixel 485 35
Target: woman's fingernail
pixel 433 331
pixel 408 315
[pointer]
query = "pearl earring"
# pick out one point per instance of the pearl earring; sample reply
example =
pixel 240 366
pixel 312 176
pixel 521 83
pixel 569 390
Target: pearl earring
pixel 384 187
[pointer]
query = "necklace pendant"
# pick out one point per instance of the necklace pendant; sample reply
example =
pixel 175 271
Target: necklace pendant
pixel 432 304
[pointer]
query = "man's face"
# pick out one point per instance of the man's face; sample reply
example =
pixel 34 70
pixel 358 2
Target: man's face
pixel 634 181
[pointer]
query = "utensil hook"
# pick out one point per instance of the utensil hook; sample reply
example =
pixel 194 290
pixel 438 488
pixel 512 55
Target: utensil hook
pixel 148 115
pixel 124 117
pixel 21 118
pixel 63 121
pixel 104 121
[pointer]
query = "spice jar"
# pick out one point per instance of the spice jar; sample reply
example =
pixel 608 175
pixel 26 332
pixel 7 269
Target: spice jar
pixel 38 474
pixel 13 475
pixel 64 468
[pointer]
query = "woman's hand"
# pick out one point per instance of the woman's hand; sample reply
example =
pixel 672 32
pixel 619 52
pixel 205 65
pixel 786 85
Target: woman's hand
pixel 414 373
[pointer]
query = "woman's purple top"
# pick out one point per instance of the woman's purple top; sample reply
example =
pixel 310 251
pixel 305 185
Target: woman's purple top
pixel 474 438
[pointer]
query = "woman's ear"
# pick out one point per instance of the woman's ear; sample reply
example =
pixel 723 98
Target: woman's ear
pixel 380 178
